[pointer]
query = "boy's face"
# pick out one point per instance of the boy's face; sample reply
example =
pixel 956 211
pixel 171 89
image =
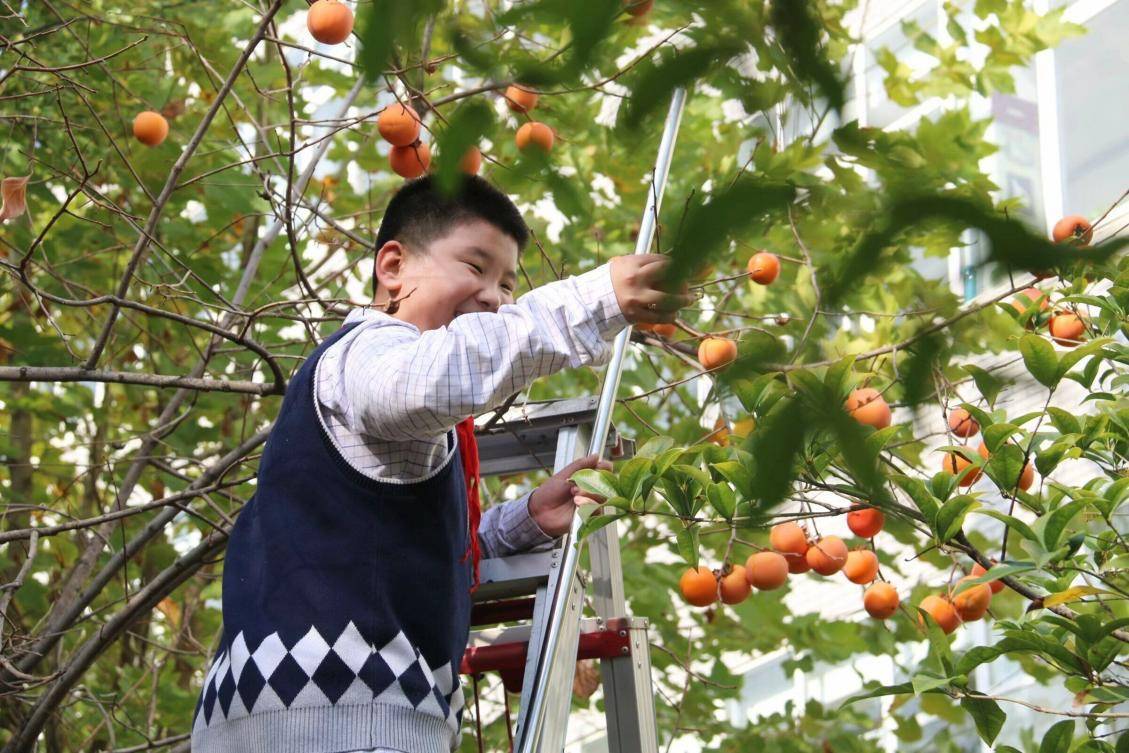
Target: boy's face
pixel 472 269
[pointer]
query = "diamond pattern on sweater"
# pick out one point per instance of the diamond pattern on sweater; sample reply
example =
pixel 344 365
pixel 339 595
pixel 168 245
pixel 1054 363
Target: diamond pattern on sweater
pixel 320 670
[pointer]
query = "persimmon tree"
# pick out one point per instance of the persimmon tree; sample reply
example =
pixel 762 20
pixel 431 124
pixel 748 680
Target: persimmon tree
pixel 190 198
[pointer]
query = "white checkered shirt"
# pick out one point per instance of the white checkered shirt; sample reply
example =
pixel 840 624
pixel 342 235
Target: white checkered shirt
pixel 389 394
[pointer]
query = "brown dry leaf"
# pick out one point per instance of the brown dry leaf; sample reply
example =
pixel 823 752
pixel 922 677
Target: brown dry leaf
pixel 173 109
pixel 586 679
pixel 14 192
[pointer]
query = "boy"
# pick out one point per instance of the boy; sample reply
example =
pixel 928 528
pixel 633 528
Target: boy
pixel 347 578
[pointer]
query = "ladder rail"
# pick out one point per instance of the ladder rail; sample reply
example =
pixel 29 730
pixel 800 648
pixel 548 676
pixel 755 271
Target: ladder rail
pixel 534 716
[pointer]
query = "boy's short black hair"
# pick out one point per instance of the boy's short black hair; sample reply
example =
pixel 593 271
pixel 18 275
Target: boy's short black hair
pixel 419 213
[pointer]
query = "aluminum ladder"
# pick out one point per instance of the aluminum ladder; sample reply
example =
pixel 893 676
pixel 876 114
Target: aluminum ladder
pixel 545 589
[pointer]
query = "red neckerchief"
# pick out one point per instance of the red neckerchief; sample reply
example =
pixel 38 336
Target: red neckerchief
pixel 468 451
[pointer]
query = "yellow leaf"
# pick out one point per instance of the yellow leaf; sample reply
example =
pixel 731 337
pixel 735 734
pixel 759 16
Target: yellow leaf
pixel 1071 594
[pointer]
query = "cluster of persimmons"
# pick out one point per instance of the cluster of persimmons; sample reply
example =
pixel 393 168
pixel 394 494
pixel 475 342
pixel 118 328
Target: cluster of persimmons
pixel 331 22
pixel 793 552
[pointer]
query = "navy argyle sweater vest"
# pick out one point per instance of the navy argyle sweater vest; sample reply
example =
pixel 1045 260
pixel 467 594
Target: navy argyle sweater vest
pixel 346 603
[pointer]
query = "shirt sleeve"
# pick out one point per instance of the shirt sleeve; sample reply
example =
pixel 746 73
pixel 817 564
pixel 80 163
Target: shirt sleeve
pixel 508 528
pixel 415 385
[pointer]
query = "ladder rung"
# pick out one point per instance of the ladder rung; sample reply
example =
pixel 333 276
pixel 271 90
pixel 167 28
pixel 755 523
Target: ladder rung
pixel 494 612
pixel 608 640
pixel 513 576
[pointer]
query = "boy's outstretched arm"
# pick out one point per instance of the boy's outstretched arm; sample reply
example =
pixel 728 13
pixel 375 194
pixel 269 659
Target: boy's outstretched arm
pixel 428 381
pixel 425 382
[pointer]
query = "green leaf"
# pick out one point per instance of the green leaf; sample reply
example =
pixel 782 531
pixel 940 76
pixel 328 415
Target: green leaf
pixel 736 474
pixel 1064 420
pixel 904 688
pixel 988 384
pixel 1057 521
pixel 723 499
pixel 688 545
pixel 939 648
pixel 1014 523
pixel 668 458
pixel 1058 738
pixel 950 517
pixel 676 496
pixel 919 493
pixel 998 433
pixel 987 714
pixel 996 572
pixel 658 80
pixel 922 682
pixel 1072 357
pixel 775 446
pixel 799 32
pixel 632 479
pixel 655 446
pixel 600 482
pixel 747 202
pixel 838 376
pixel 384 23
pixel 466 127
pixel 596 522
pixel 1040 359
pixel 1005 466
pixel 750 392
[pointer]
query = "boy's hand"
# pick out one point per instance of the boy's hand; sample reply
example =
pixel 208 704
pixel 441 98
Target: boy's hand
pixel 643 290
pixel 552 504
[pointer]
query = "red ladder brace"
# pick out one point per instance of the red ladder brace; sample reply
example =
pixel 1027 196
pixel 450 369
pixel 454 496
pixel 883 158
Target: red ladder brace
pixel 509 658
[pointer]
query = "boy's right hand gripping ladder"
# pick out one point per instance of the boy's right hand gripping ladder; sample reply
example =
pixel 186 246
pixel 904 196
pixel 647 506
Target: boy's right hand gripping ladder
pixel 541 654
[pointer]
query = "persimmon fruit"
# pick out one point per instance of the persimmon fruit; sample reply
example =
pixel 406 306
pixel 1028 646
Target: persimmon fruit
pixel 1074 228
pixel 962 424
pixel 638 7
pixel 867 406
pixel 797 565
pixel 699 586
pixel 329 21
pixel 958 466
pixel 828 555
pixel 789 539
pixel 941 611
pixel 764 268
pixel 520 99
pixel 972 603
pixel 150 128
pixel 471 161
pixel 1067 329
pixel 865 521
pixel 410 161
pixel 861 566
pixel 881 601
pixel 766 571
pixel 662 329
pixel 534 134
pixel 398 124
pixel 715 352
pixel 735 586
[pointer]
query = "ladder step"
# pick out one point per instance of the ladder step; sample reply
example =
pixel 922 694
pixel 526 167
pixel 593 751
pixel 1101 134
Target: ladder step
pixel 598 640
pixel 494 612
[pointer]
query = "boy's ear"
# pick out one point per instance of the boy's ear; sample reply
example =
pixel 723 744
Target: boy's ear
pixel 388 268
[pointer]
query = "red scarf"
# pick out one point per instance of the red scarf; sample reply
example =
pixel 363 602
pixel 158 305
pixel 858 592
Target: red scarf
pixel 468 451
